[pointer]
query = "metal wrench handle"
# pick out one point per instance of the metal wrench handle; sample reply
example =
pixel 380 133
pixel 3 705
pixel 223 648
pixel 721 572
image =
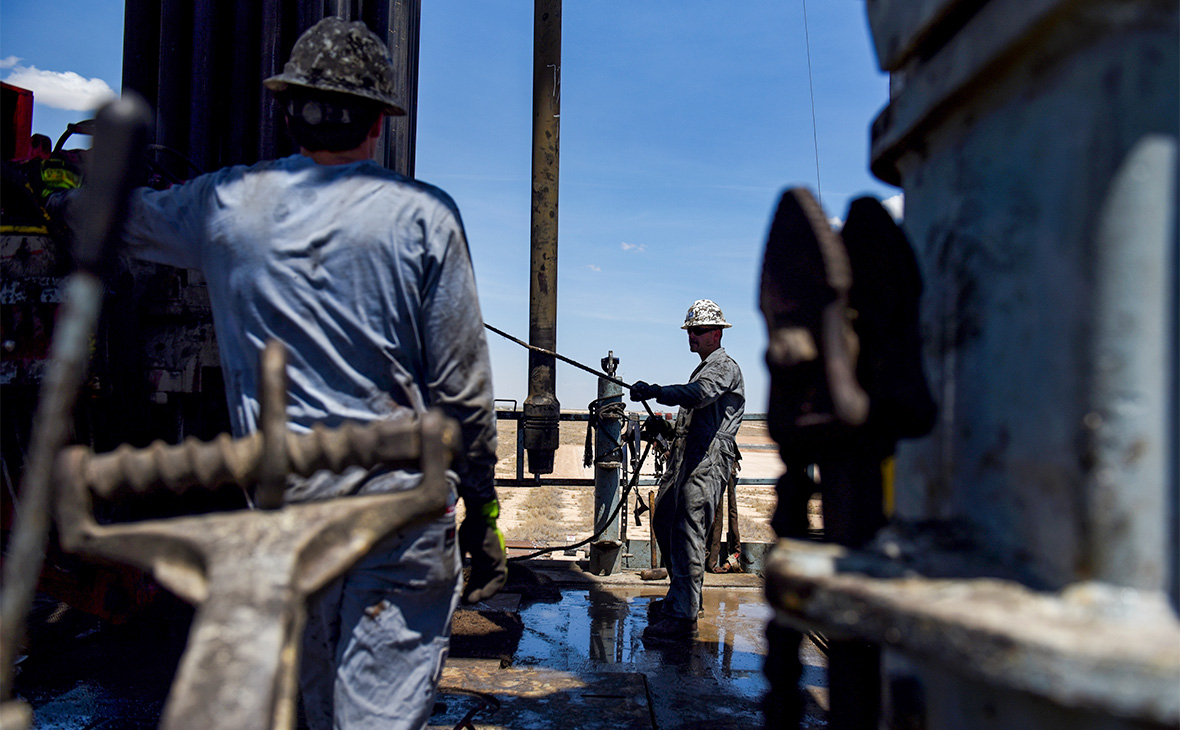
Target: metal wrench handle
pixel 225 460
pixel 251 571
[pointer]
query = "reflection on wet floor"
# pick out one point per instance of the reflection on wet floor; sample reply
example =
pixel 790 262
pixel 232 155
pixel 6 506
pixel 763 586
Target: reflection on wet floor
pixel 85 674
pixel 581 662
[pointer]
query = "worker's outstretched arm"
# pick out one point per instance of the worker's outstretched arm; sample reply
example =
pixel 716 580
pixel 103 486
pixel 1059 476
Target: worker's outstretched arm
pixel 691 395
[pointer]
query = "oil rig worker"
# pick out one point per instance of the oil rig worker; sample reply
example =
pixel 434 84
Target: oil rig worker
pixel 701 458
pixel 366 276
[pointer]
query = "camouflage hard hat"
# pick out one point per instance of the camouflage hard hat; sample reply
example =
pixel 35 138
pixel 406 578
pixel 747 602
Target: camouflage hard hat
pixel 343 57
pixel 704 313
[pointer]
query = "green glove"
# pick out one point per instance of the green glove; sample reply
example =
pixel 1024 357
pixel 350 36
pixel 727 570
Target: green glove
pixel 479 536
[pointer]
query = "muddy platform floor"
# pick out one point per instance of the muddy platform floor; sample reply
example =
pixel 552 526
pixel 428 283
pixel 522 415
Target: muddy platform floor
pixel 571 656
pixel 581 658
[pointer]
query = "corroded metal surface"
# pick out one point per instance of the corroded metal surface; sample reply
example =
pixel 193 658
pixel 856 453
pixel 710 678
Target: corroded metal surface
pixel 1045 227
pixel 120 129
pixel 903 26
pixel 250 572
pixel 1093 646
pixel 541 408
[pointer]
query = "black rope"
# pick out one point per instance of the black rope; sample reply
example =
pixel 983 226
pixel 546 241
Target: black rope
pixel 622 501
pixel 601 409
pixel 486 702
pixel 819 188
pixel 565 359
pixel 615 410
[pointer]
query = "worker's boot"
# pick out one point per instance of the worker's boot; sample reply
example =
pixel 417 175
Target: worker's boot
pixel 886 288
pixel 811 350
pixel 655 610
pixel 670 628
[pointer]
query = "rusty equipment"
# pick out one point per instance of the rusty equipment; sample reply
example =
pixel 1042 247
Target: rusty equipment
pixel 120 130
pixel 821 354
pixel 1029 576
pixel 250 572
pixel 541 407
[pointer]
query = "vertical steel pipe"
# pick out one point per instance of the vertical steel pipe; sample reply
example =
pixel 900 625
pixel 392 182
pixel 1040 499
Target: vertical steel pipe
pixel 188 56
pixel 141 48
pixel 399 23
pixel 541 408
pixel 175 79
pixel 204 119
pixel 275 47
pixel 608 457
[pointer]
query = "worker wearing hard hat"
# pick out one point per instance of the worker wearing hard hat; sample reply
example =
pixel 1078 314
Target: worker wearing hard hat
pixel 699 464
pixel 365 275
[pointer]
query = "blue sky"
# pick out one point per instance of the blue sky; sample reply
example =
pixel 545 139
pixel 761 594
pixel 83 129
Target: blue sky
pixel 679 127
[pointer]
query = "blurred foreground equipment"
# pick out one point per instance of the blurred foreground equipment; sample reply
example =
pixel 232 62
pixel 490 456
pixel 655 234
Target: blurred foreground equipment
pixel 1030 574
pixel 251 571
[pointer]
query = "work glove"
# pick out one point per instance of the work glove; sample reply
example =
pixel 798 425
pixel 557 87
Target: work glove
pixel 644 391
pixel 481 538
pixel 657 426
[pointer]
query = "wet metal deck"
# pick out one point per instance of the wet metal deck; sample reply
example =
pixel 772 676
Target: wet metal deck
pixel 580 663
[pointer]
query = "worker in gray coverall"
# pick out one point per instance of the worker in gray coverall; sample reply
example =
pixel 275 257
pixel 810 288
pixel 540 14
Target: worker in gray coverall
pixel 366 277
pixel 703 449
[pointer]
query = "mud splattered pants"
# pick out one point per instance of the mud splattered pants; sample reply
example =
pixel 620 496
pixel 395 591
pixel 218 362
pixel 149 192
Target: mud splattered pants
pixel 376 638
pixel 682 520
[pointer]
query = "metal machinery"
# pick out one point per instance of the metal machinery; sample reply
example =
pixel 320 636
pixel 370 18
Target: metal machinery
pixel 153 363
pixel 541 407
pixel 1030 577
pixel 155 371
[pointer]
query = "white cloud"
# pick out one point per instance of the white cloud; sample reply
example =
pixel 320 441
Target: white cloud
pixel 592 267
pixel 896 206
pixel 9 61
pixel 60 90
pixel 636 247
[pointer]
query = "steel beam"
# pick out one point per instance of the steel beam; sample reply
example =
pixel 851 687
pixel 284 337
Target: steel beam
pixel 541 408
pixel 1092 648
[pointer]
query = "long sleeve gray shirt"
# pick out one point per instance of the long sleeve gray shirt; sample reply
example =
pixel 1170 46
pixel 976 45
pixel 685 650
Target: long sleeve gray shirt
pixel 364 274
pixel 712 404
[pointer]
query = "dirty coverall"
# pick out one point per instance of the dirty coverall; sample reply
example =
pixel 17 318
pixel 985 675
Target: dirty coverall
pixel 711 404
pixel 366 277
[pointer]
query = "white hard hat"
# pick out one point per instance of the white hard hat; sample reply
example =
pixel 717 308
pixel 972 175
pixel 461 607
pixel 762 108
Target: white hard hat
pixel 704 313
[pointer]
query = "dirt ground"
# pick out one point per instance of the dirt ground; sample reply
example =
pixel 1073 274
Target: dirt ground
pixel 548 515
